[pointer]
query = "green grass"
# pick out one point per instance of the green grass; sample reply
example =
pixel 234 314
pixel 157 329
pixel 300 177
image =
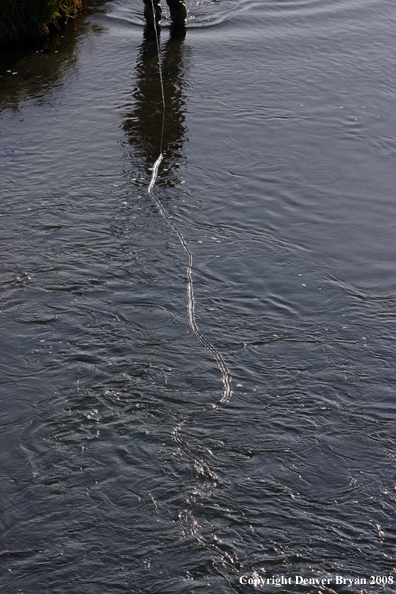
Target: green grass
pixel 28 20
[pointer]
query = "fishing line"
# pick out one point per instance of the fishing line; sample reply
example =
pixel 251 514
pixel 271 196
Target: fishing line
pixel 201 466
pixel 225 375
pixel 162 88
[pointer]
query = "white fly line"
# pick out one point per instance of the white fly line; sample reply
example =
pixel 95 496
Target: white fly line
pixel 225 375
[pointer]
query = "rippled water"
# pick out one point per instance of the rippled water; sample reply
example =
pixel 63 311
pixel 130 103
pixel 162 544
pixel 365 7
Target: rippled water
pixel 121 469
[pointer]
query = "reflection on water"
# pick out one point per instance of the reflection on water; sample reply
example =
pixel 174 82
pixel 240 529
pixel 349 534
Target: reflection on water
pixel 26 75
pixel 31 72
pixel 143 119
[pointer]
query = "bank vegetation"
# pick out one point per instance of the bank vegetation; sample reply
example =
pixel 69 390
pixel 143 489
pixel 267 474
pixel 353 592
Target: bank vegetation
pixel 31 20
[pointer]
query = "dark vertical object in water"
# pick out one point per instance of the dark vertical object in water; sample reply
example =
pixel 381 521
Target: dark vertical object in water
pixel 143 119
pixel 178 12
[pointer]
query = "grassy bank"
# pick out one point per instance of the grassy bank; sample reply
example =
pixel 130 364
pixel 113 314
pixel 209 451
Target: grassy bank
pixel 29 20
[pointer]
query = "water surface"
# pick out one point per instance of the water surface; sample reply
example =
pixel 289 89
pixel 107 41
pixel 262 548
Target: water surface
pixel 121 471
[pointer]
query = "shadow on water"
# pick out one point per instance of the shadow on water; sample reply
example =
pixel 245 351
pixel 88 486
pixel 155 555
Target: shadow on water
pixel 143 117
pixel 31 71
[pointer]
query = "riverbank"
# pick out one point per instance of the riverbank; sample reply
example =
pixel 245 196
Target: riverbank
pixel 31 20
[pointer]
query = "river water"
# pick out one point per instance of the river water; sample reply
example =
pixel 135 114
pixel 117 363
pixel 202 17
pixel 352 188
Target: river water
pixel 124 467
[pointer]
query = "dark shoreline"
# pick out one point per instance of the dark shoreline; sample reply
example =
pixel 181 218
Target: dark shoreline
pixel 32 20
